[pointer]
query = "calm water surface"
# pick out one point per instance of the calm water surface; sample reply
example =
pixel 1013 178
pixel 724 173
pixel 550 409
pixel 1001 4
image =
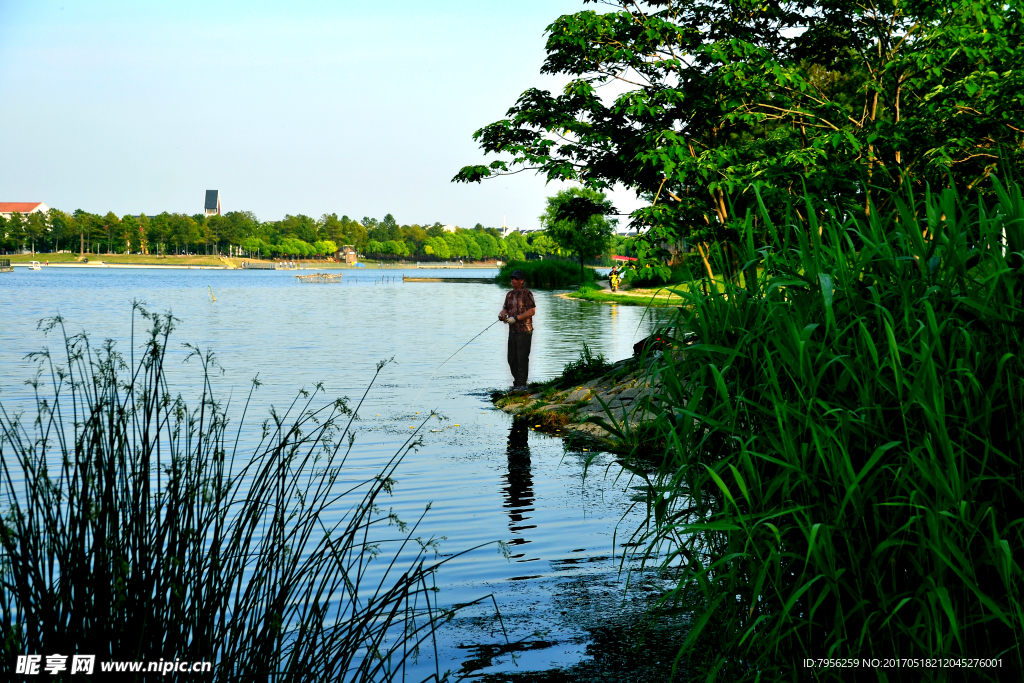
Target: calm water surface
pixel 565 534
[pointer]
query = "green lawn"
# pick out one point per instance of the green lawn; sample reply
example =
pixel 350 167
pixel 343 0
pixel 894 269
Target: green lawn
pixel 632 297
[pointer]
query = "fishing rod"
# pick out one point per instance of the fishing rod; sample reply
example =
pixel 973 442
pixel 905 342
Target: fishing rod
pixel 449 358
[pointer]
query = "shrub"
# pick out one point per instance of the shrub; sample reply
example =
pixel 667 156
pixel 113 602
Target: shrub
pixel 545 273
pixel 584 368
pixel 133 529
pixel 647 277
pixel 844 475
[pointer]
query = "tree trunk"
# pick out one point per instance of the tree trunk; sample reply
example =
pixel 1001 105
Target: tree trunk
pixel 707 264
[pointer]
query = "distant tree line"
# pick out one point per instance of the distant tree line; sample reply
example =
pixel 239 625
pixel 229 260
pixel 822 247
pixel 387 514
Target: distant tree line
pixel 241 233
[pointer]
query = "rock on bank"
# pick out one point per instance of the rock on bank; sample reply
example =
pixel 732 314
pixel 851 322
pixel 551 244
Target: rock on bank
pixel 611 410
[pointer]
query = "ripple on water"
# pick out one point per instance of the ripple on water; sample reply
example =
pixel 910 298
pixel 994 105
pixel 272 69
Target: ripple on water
pixel 486 480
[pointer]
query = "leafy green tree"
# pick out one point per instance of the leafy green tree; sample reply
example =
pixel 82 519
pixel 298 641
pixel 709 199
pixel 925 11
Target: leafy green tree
pixel 836 96
pixel 331 227
pixel 415 236
pixel 111 226
pixel 456 245
pixel 17 229
pixel 437 246
pixel 300 226
pixel 324 247
pixel 130 233
pixel 238 225
pixel 183 231
pixel 37 228
pixel 390 226
pixel 213 231
pixel 62 226
pixel 292 246
pixel 254 246
pixel 576 220
pixel 144 233
pixel 541 243
pixel 355 233
pixel 488 245
pixel 87 226
pixel 514 247
pixel 395 248
pixel 6 243
pixel 159 233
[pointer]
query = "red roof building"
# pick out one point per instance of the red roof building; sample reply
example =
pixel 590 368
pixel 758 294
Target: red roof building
pixel 8 208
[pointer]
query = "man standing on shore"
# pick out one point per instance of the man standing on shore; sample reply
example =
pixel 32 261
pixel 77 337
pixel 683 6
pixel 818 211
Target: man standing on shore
pixel 518 312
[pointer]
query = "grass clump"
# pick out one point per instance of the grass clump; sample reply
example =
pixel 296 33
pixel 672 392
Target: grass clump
pixel 583 369
pixel 545 273
pixel 133 527
pixel 843 474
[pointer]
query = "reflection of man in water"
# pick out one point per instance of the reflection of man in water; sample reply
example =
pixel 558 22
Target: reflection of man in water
pixel 519 492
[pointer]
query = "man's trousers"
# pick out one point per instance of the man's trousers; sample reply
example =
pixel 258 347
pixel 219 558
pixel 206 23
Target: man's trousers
pixel 519 356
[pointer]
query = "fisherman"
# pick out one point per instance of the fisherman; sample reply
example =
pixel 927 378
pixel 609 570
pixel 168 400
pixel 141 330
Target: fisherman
pixel 518 312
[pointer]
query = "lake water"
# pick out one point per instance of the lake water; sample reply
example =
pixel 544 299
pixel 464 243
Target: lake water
pixel 566 534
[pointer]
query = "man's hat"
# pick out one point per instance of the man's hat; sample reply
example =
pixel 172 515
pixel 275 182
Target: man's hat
pixel 518 275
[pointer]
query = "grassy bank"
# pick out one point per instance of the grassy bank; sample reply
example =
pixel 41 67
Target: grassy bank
pixel 843 475
pixel 631 297
pixel 594 404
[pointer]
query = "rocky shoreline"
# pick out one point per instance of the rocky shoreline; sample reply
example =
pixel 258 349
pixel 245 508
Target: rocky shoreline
pixel 609 411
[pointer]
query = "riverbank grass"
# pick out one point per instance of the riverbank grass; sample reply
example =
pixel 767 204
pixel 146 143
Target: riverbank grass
pixel 655 297
pixel 843 475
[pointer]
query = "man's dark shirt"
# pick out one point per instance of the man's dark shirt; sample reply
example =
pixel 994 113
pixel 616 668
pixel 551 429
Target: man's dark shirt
pixel 516 302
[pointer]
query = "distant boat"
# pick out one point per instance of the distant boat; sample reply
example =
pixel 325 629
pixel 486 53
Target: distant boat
pixel 34 265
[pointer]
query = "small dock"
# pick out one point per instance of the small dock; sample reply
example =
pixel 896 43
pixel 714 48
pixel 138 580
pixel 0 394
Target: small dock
pixel 5 265
pixel 320 277
pixel 478 280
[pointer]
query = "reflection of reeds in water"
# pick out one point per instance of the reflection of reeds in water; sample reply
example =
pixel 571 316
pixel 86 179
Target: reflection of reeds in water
pixel 133 530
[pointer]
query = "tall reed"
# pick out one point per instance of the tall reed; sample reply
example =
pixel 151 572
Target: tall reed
pixel 845 470
pixel 134 527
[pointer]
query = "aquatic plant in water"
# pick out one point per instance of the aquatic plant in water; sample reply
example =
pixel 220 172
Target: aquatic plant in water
pixel 135 528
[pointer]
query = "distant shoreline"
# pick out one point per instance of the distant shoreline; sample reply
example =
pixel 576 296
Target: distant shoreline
pixel 134 261
pixel 99 264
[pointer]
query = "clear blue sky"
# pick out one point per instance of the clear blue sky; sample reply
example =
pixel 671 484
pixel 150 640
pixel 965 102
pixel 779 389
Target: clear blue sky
pixel 358 108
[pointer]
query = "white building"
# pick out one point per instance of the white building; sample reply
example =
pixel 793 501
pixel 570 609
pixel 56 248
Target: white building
pixel 24 208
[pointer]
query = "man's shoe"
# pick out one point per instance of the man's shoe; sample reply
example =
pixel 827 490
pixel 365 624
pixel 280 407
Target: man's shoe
pixel 520 387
